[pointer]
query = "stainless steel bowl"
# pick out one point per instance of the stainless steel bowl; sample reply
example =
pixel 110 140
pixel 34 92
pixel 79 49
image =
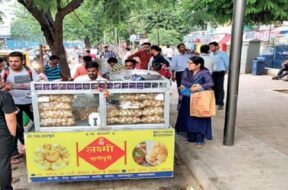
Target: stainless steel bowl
pixel 127 75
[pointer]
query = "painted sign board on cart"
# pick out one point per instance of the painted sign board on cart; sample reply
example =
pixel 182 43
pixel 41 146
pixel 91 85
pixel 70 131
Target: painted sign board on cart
pixel 99 155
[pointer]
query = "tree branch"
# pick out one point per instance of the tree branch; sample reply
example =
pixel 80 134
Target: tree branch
pixel 78 18
pixel 44 19
pixel 74 4
pixel 49 18
pixel 23 2
pixel 59 5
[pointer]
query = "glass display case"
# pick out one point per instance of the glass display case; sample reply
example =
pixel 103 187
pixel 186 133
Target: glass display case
pixel 70 106
pixel 137 108
pixel 67 110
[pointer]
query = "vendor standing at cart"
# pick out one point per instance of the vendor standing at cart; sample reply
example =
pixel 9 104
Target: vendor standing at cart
pixel 17 78
pixel 92 75
pixel 92 69
pixel 8 124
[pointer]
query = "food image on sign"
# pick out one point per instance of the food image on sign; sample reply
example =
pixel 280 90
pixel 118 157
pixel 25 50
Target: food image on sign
pixel 51 157
pixel 150 153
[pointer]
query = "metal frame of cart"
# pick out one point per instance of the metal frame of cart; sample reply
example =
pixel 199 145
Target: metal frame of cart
pixel 96 87
pixel 131 134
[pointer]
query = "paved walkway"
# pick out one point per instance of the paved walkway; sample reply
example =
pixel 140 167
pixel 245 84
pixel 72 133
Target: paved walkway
pixel 259 158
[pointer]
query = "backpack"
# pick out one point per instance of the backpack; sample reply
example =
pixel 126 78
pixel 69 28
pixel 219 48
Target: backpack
pixel 7 72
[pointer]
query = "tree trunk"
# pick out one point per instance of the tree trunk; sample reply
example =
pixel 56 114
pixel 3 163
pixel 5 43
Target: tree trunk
pixel 53 30
pixel 55 42
pixel 87 42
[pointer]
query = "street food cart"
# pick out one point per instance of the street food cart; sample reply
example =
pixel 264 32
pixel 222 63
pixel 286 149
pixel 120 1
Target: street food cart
pixel 82 135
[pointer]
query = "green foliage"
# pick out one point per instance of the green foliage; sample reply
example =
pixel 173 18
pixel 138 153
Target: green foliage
pixel 165 19
pixel 166 37
pixel 25 27
pixel 220 11
pixel 172 17
pixel 85 22
pixel 94 18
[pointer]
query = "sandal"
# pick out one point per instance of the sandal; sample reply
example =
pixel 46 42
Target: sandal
pixel 15 161
pixel 15 180
pixel 184 142
pixel 199 145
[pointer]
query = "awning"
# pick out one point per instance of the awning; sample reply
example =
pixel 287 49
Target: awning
pixel 225 39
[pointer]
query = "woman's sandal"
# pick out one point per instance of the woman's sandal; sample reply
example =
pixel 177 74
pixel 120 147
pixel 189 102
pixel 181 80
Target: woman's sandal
pixel 198 146
pixel 15 180
pixel 184 142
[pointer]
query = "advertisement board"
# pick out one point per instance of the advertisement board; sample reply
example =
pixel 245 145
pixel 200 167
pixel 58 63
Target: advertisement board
pixel 99 155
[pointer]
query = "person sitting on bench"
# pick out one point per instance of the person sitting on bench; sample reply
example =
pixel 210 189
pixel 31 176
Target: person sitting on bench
pixel 283 72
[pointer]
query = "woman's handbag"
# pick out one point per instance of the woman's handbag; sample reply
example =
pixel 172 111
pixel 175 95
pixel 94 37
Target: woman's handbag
pixel 202 104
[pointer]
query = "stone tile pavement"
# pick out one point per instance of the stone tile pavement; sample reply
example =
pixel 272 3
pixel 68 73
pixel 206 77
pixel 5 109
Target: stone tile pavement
pixel 258 160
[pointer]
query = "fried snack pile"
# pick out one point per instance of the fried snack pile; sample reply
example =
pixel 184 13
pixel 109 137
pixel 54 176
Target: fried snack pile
pixel 51 157
pixel 137 108
pixel 157 154
pixel 56 110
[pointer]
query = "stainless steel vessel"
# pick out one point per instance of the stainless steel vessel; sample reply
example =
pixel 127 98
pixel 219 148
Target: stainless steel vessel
pixel 136 74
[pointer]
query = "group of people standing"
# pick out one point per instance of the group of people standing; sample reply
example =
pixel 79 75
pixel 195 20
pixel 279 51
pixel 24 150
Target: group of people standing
pixel 194 71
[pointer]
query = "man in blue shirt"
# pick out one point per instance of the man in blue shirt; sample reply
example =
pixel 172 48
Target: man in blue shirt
pixel 218 73
pixel 179 63
pixel 53 70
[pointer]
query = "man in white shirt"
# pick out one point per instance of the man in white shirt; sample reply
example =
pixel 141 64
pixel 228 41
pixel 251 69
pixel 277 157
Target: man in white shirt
pixel 92 75
pixel 17 78
pixel 92 69
pixel 209 61
pixel 169 52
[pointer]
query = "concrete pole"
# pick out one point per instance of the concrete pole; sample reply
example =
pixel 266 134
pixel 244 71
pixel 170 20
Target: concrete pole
pixel 234 71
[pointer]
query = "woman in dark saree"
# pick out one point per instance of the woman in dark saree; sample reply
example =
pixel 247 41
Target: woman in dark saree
pixel 195 78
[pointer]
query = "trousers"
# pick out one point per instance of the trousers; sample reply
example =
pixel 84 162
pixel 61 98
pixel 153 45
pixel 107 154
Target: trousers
pixel 6 150
pixel 218 78
pixel 282 73
pixel 20 128
pixel 179 78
